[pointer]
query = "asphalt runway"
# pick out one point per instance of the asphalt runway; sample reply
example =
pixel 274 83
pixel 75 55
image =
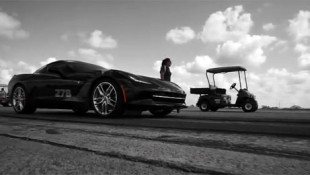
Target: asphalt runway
pixel 190 142
pixel 278 122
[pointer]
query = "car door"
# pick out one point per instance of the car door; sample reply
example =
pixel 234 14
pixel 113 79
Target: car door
pixel 53 89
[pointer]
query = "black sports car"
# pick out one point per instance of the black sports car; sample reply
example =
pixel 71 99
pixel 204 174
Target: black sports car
pixel 82 86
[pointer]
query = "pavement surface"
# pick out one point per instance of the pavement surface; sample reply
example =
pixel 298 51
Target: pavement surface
pixel 57 142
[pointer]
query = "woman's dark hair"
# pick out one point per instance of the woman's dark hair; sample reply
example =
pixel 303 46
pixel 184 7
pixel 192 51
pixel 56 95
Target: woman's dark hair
pixel 165 61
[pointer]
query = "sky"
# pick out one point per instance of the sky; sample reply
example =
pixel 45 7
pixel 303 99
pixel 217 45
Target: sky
pixel 271 39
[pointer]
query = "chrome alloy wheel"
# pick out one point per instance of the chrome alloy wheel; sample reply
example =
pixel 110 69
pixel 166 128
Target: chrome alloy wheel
pixel 19 99
pixel 105 98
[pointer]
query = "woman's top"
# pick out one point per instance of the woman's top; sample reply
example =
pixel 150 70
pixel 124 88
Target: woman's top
pixel 166 71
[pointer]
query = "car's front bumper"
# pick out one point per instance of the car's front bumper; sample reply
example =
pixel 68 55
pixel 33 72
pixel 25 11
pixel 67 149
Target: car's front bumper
pixel 147 104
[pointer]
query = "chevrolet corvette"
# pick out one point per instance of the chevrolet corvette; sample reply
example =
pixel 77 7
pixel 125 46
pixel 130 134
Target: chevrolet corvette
pixel 82 86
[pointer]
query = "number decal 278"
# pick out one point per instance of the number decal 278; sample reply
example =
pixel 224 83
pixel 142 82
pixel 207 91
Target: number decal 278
pixel 62 93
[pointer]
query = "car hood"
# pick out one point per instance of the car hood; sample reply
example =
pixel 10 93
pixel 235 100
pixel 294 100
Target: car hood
pixel 153 82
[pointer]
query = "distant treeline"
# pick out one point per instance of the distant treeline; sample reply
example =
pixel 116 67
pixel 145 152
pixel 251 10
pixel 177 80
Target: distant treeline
pixel 294 107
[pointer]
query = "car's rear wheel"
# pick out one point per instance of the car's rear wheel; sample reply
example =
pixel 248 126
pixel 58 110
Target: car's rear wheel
pixel 107 98
pixel 21 102
pixel 160 112
pixel 204 106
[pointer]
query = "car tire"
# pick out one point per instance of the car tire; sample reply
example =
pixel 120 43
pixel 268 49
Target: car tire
pixel 21 102
pixel 204 106
pixel 107 99
pixel 160 112
pixel 249 106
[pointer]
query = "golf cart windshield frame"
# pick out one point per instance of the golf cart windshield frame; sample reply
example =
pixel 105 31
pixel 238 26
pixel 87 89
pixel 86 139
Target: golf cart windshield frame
pixel 226 70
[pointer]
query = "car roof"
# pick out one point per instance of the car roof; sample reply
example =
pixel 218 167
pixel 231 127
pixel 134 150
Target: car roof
pixel 226 69
pixel 65 61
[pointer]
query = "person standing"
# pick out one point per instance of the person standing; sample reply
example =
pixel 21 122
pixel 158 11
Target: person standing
pixel 165 73
pixel 2 92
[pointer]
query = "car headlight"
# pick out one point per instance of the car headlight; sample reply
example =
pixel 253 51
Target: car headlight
pixel 139 81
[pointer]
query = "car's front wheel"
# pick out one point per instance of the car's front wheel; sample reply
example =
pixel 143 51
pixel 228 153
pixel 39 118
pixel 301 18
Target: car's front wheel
pixel 107 98
pixel 21 102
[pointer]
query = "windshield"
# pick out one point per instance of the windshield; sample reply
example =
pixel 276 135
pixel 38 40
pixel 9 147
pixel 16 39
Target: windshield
pixel 73 66
pixel 226 79
pixel 85 67
pixel 40 69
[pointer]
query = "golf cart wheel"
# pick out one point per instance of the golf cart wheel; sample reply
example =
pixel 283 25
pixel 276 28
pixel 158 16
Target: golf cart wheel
pixel 107 99
pixel 204 106
pixel 249 106
pixel 160 112
pixel 21 103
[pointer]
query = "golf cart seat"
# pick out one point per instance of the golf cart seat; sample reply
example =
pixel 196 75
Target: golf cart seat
pixel 216 90
pixel 220 91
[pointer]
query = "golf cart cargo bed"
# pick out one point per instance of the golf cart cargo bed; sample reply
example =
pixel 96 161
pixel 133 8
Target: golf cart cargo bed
pixel 207 91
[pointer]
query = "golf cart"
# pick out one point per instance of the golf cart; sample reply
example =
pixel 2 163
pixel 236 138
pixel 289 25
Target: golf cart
pixel 213 98
pixel 4 99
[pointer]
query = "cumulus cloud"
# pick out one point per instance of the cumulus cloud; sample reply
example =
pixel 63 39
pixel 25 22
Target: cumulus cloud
pixel 248 50
pixel 268 27
pixel 199 65
pixel 299 28
pixel 99 40
pixel 92 56
pixel 48 60
pixel 11 27
pixel 181 35
pixel 304 58
pixel 230 29
pixel 287 88
pixel 8 69
pixel 231 24
pixel 5 75
pixel 64 37
pixel 157 65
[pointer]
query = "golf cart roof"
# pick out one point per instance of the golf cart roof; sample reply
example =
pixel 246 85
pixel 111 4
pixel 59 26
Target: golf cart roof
pixel 226 69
